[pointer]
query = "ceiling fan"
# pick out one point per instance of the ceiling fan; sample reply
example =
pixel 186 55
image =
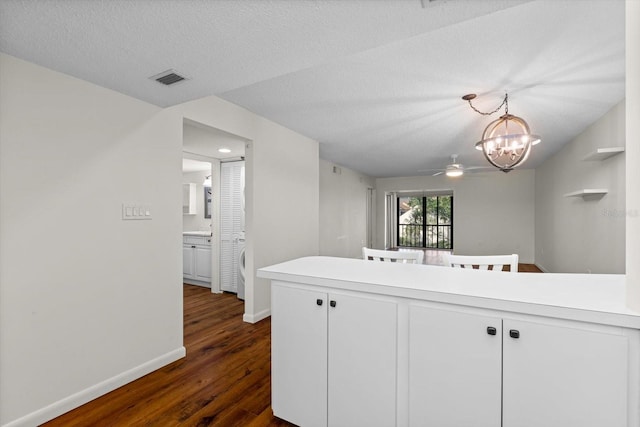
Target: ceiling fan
pixel 453 169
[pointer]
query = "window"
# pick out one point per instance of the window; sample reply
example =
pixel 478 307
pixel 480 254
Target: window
pixel 426 222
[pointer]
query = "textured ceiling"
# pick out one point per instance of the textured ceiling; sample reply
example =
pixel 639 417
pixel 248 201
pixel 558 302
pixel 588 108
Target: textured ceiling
pixel 377 83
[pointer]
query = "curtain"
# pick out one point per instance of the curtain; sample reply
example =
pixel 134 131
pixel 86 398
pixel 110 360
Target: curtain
pixel 391 220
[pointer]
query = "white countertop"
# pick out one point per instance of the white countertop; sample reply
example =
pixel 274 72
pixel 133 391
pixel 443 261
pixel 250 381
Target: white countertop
pixel 197 233
pixel 598 298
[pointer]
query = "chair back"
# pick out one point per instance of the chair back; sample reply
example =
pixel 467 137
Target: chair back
pixel 482 262
pixel 405 257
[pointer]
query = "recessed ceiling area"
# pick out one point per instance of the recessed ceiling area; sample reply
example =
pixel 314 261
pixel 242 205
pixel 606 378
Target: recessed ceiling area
pixel 383 99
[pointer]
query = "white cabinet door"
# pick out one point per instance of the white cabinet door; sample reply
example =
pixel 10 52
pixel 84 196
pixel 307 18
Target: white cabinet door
pixel 558 376
pixel 188 262
pixel 203 263
pixel 299 355
pixel 454 368
pixel 362 361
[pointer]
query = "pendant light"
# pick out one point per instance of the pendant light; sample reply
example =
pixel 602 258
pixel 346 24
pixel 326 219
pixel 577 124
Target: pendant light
pixel 506 142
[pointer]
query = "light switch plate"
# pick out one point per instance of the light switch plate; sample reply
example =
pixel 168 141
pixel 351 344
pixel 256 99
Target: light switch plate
pixel 132 211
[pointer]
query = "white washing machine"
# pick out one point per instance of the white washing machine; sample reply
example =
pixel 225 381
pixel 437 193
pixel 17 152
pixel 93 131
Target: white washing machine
pixel 241 266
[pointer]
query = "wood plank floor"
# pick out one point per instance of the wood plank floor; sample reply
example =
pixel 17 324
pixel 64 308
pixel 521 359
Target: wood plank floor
pixel 223 381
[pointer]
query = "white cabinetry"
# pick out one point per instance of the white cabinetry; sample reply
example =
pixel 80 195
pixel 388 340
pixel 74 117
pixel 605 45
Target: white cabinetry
pixel 334 357
pixel 299 355
pixel 196 260
pixel 188 261
pixel 470 348
pixel 472 369
pixel 577 374
pixel 454 369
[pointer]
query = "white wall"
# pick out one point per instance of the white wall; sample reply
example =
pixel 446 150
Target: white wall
pixel 87 301
pixel 282 196
pixel 493 212
pixel 632 28
pixel 197 222
pixel 343 210
pixel 83 285
pixel 576 235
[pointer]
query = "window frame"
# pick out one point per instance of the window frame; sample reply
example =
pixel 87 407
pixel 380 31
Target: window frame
pixel 424 223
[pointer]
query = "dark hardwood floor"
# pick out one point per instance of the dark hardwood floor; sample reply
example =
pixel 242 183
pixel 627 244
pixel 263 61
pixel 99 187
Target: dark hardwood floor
pixel 223 381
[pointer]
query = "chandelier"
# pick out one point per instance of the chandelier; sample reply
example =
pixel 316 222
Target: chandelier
pixel 506 142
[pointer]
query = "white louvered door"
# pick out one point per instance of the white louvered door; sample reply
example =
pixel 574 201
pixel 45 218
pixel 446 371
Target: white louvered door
pixel 231 222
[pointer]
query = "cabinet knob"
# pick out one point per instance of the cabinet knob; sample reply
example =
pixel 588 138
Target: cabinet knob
pixel 514 334
pixel 332 303
pixel 319 301
pixel 491 330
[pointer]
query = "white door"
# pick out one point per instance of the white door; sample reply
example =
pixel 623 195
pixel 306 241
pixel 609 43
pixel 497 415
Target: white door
pixel 557 376
pixel 299 355
pixel 231 222
pixel 203 263
pixel 454 368
pixel 362 361
pixel 188 260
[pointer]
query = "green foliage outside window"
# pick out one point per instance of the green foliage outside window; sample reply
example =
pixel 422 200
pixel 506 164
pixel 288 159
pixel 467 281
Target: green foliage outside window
pixel 430 215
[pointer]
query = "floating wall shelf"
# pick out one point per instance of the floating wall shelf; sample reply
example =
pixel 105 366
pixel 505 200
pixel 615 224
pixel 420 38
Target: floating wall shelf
pixel 604 153
pixel 588 192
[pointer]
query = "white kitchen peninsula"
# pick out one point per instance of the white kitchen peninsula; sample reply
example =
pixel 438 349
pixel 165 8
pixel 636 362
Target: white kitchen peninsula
pixel 382 344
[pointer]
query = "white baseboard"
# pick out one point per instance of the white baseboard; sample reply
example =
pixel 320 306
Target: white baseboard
pixel 544 270
pixel 255 318
pixel 196 282
pixel 78 399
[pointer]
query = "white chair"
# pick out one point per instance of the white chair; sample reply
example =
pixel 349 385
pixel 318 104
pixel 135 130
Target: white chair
pixel 482 262
pixel 404 257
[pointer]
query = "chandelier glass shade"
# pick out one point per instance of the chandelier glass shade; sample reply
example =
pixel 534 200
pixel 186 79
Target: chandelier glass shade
pixel 506 142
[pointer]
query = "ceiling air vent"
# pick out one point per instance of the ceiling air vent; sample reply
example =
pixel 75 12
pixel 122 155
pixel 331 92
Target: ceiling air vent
pixel 168 77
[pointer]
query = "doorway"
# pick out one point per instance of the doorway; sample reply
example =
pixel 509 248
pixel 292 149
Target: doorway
pixel 209 148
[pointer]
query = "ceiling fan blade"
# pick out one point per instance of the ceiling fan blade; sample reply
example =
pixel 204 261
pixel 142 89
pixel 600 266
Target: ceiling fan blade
pixel 438 173
pixel 430 170
pixel 479 168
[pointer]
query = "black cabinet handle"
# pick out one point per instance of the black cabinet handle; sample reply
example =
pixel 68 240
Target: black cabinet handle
pixel 319 301
pixel 514 334
pixel 193 247
pixel 332 303
pixel 491 330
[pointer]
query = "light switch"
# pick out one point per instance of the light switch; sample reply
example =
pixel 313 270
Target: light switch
pixel 132 211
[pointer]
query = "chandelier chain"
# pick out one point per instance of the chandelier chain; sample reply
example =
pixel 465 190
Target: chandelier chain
pixel 505 103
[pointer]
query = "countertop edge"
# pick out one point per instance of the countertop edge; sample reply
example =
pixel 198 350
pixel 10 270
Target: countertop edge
pixel 278 272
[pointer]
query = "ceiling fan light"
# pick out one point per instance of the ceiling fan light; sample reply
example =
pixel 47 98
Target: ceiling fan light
pixel 454 171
